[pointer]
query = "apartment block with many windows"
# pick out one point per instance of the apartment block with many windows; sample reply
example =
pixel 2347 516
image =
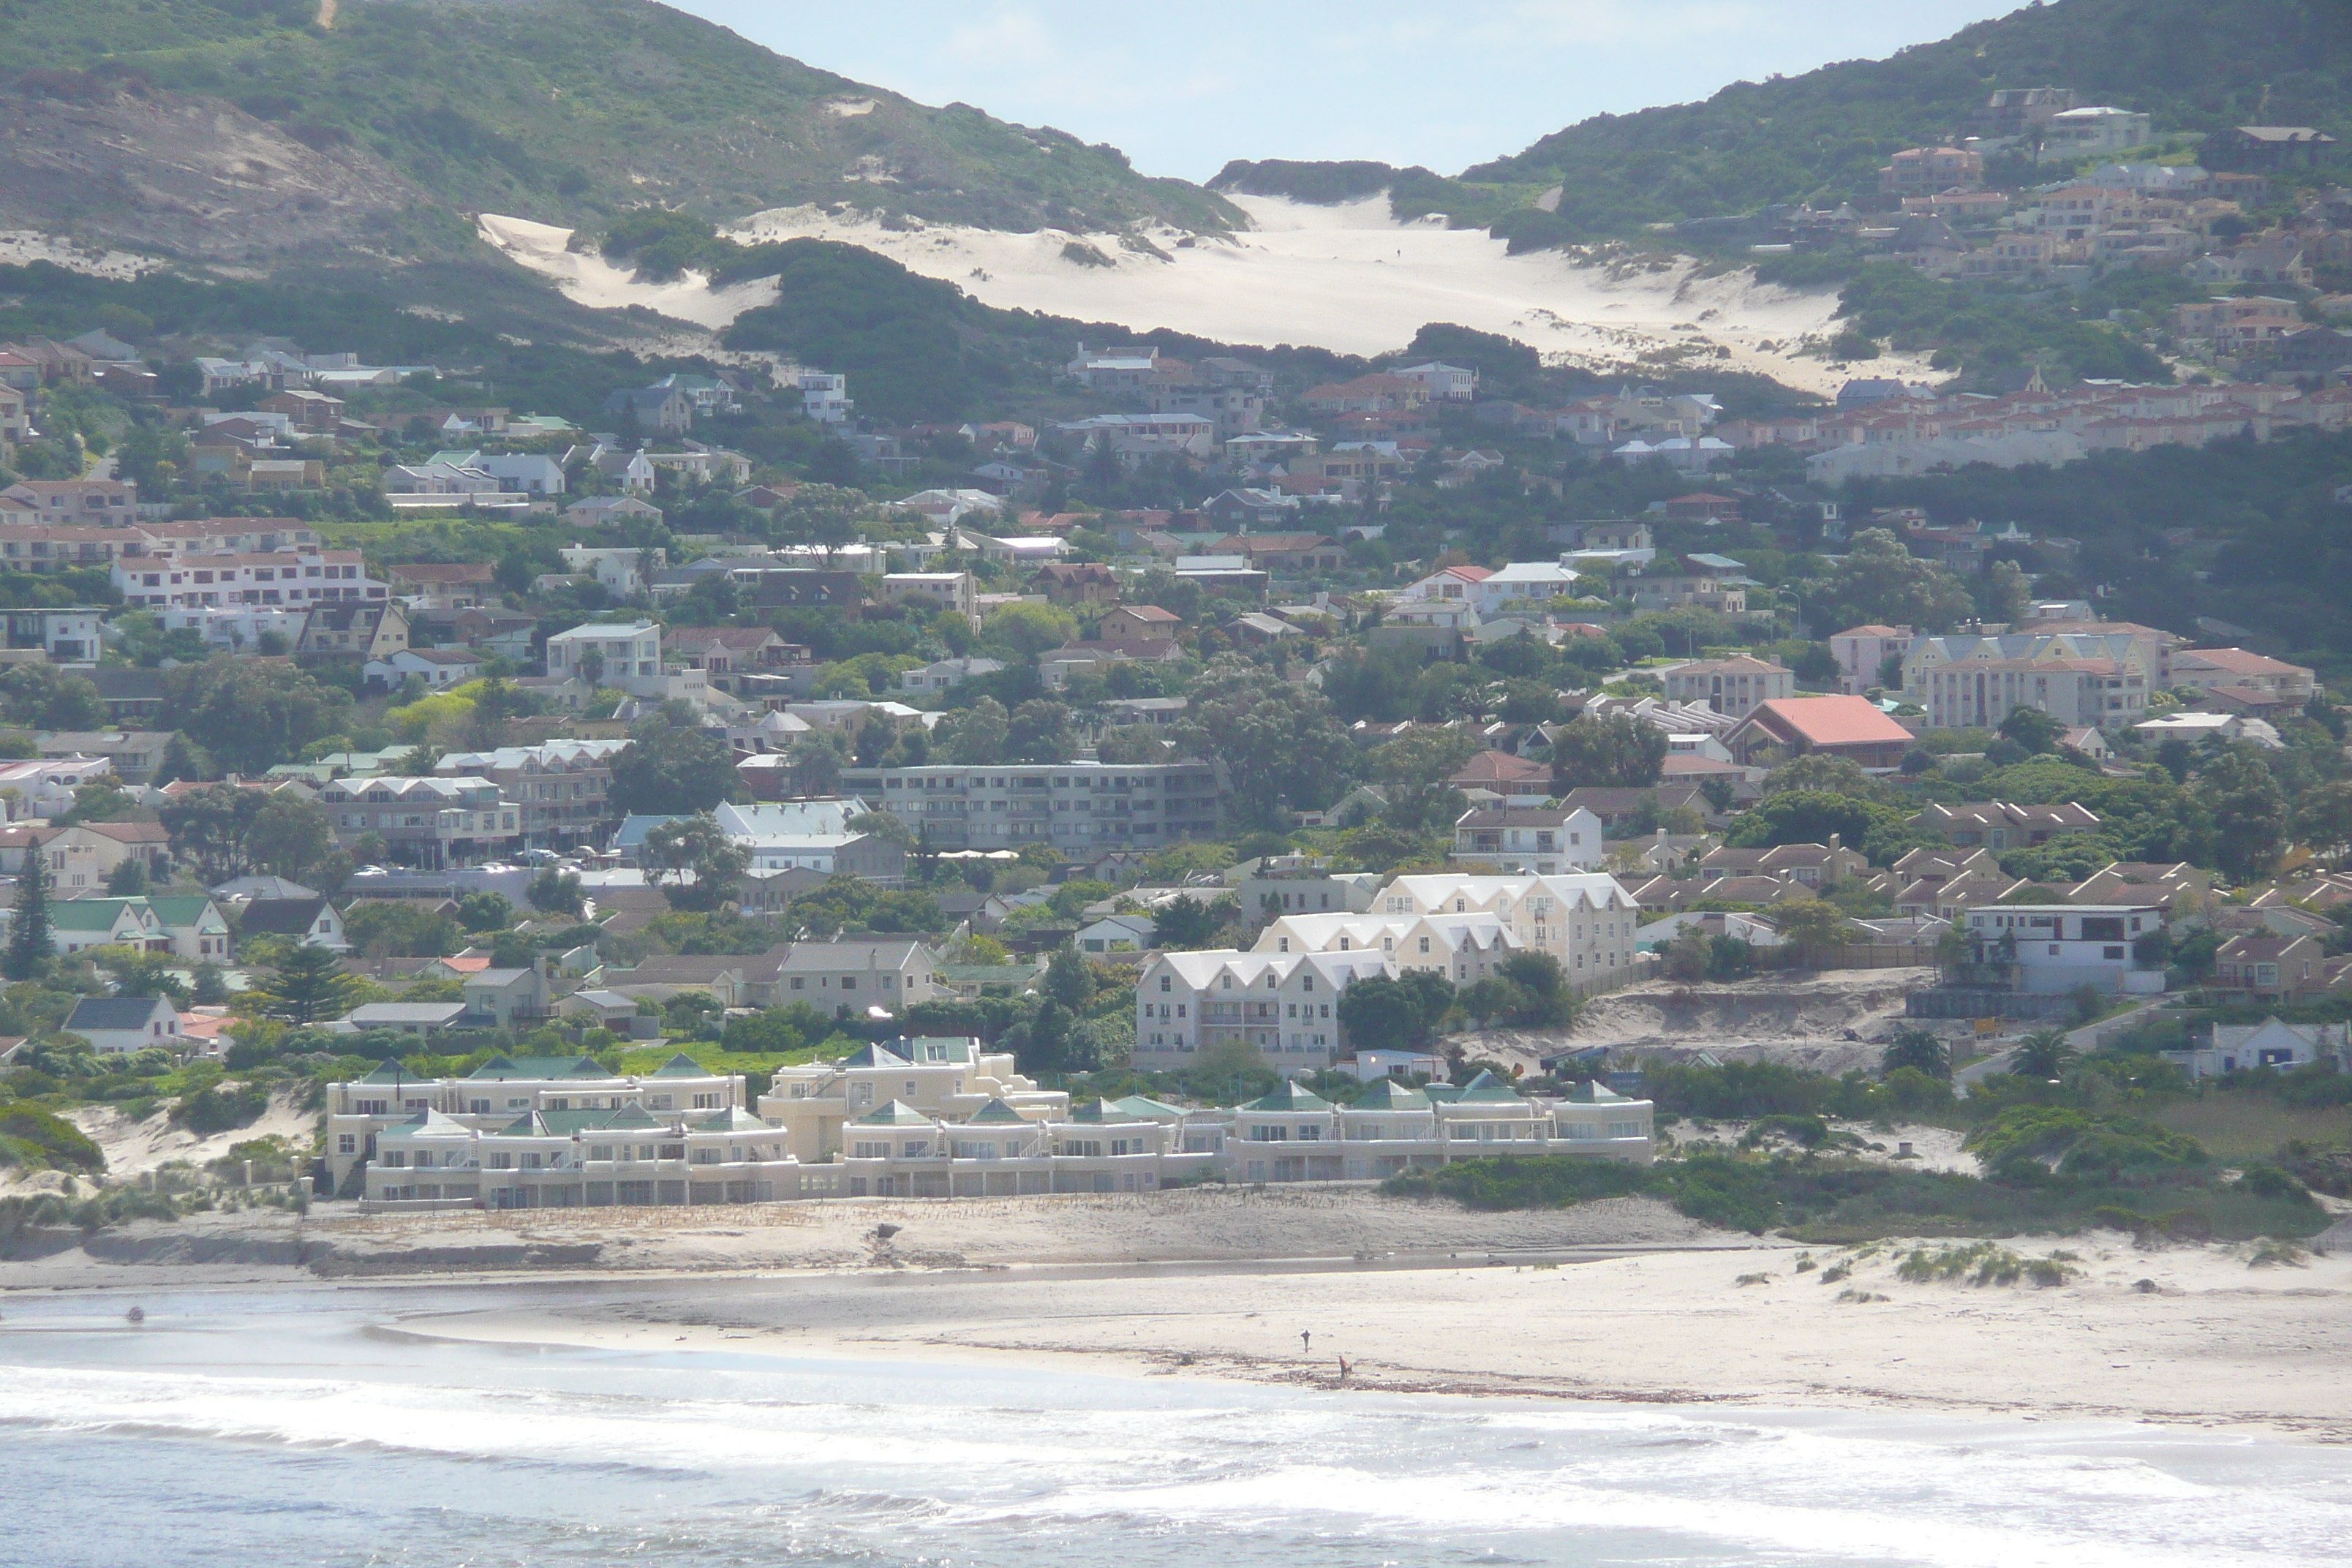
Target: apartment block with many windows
pixel 1079 809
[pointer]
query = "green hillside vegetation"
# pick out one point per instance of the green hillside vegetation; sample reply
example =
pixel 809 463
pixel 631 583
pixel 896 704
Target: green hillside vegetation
pixel 558 110
pixel 2194 67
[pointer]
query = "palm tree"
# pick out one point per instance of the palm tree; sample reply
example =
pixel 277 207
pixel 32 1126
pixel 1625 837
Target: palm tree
pixel 1919 1049
pixel 2042 1054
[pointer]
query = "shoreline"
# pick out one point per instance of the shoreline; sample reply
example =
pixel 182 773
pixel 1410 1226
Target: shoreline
pixel 1623 1301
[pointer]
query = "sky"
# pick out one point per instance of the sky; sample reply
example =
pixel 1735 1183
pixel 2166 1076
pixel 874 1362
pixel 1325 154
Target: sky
pixel 1442 83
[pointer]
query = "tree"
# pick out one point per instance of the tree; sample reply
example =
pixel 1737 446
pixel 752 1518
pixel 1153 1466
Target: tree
pixel 2007 593
pixel 310 987
pixel 289 836
pixel 2323 819
pixel 250 714
pixel 1069 980
pixel 1822 771
pixel 1811 926
pixel 1027 630
pixel 127 880
pixel 2248 808
pixel 1404 1013
pixel 674 772
pixel 1280 744
pixel 695 845
pixel 556 892
pixel 387 929
pixel 2033 729
pixel 1039 732
pixel 2042 1054
pixel 483 910
pixel 976 735
pixel 1132 743
pixel 1919 1050
pixel 29 936
pixel 1184 924
pixel 1879 580
pixel 1413 769
pixel 46 697
pixel 181 759
pixel 208 828
pixel 1618 750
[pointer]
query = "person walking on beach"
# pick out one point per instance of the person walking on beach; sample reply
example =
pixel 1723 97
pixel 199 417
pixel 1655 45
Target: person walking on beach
pixel 1306 1339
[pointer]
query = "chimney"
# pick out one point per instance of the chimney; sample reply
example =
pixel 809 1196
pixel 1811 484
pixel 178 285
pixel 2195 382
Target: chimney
pixel 1833 843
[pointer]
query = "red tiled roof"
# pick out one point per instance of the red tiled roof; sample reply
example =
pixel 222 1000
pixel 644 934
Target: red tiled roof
pixel 1830 720
pixel 1498 767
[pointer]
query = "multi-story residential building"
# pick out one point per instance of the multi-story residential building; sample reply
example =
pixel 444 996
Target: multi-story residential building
pixel 1080 808
pixel 949 1079
pixel 1464 947
pixel 553 1132
pixel 1982 693
pixel 2145 649
pixel 2057 948
pixel 1999 825
pixel 861 976
pixel 294 577
pixel 1281 1005
pixel 815 835
pixel 432 822
pixel 1924 171
pixel 561 792
pixel 955 591
pixel 1733 685
pixel 1584 920
pixel 626 657
pixel 112 502
pixel 2218 669
pixel 68 635
pixel 1281 885
pixel 358 632
pixel 61 547
pixel 1132 1145
pixel 1296 1135
pixel 1541 841
pixel 1862 653
pixel 240 626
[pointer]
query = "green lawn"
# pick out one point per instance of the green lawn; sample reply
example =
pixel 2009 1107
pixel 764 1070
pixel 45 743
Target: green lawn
pixel 2235 1127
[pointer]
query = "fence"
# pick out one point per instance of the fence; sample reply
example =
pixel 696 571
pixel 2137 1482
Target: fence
pixel 1643 967
pixel 1878 955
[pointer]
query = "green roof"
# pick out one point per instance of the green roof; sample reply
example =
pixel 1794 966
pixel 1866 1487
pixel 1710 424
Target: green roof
pixel 922 1049
pixel 874 1056
pixel 1098 1111
pixel 681 1066
pixel 897 1113
pixel 529 1124
pixel 87 914
pixel 182 909
pixel 1148 1108
pixel 388 1072
pixel 1487 1087
pixel 997 1111
pixel 1441 1093
pixel 1291 1095
pixel 1593 1092
pixel 632 1115
pixel 539 1067
pixel 1387 1094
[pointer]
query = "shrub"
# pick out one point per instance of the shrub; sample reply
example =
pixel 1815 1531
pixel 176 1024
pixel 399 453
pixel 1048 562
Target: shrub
pixel 37 1137
pixel 220 1108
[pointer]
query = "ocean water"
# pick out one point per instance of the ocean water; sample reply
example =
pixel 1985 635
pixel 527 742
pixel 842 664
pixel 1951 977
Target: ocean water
pixel 293 1429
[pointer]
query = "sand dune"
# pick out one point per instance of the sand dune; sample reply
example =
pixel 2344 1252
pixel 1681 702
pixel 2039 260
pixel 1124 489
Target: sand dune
pixel 1347 278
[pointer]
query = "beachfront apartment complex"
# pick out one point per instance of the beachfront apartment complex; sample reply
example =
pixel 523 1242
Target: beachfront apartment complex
pixel 1296 1135
pixel 1585 920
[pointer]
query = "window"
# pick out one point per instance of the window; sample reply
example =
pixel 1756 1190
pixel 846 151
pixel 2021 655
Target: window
pixel 1164 986
pixel 347 1143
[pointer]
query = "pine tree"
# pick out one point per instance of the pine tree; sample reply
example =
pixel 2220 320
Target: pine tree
pixel 311 988
pixel 29 939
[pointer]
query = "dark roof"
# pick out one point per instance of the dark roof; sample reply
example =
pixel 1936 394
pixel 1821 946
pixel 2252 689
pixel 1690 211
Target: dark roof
pixel 110 1012
pixel 286 916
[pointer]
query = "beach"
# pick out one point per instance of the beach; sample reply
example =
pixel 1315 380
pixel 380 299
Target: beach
pixel 1622 1300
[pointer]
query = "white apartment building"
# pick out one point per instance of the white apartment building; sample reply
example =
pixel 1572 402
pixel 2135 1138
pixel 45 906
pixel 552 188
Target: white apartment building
pixel 584 1130
pixel 293 577
pixel 1585 920
pixel 1535 582
pixel 1862 651
pixel 1282 1006
pixel 826 398
pixel 874 974
pixel 1462 948
pixel 2095 693
pixel 1537 839
pixel 238 627
pixel 1104 1146
pixel 562 791
pixel 947 1078
pixel 1080 808
pixel 624 657
pixel 1294 1135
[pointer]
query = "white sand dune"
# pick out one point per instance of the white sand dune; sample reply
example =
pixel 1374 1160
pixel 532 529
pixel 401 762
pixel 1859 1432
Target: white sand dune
pixel 587 279
pixel 1347 278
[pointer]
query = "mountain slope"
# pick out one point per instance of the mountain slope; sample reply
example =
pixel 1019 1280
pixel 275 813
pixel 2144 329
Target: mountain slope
pixel 565 110
pixel 2194 65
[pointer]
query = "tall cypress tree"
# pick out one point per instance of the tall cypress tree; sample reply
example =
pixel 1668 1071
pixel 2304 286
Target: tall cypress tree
pixel 29 938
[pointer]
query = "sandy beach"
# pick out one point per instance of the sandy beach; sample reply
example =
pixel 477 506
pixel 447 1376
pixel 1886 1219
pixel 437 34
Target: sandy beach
pixel 1622 1300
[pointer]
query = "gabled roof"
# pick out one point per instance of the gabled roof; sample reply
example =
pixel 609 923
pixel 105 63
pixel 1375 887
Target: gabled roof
pixel 872 1055
pixel 1829 720
pixel 681 1066
pixel 1593 1092
pixel 427 1124
pixel 996 1110
pixel 284 917
pixel 112 1013
pixel 1098 1111
pixel 540 1068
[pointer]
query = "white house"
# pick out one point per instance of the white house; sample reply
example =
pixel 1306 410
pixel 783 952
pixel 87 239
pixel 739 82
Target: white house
pixel 1283 1006
pixel 1118 934
pixel 947 674
pixel 437 667
pixel 1446 382
pixel 2058 947
pixel 624 574
pixel 526 472
pixel 1584 919
pixel 118 1025
pixel 2268 1046
pixel 1535 581
pixel 624 657
pixel 1542 839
